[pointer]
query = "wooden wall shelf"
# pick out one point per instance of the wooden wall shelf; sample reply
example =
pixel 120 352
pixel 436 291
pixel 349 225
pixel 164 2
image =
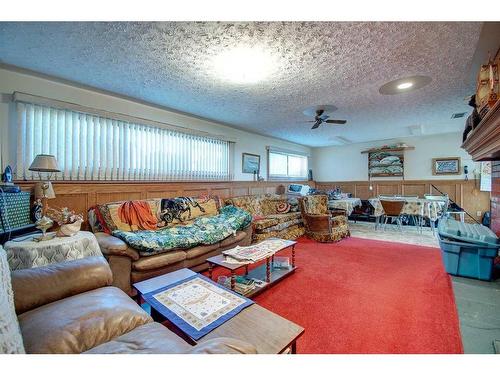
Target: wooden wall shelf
pixel 483 143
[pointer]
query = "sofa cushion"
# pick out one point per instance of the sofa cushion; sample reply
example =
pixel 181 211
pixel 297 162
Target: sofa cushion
pixel 81 322
pixel 316 204
pixel 249 203
pixel 11 341
pixel 272 220
pixel 106 217
pixel 158 260
pixel 179 210
pixel 271 205
pixel 151 338
pixel 291 233
pixel 239 236
pixel 200 250
pixel 203 231
pixel 281 226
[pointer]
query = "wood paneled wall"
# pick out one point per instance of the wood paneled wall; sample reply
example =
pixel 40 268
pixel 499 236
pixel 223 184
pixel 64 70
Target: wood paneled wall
pixel 465 193
pixel 80 195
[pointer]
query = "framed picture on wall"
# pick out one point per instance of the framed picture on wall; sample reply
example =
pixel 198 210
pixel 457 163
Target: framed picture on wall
pixel 445 166
pixel 250 163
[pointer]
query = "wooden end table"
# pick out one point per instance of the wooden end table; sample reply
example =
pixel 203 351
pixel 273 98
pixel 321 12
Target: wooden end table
pixel 266 272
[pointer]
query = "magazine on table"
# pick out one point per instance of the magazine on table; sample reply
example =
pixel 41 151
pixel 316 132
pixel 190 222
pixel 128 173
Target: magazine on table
pixel 254 253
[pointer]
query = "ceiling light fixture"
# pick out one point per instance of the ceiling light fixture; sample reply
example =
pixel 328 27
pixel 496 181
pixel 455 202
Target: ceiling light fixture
pixel 244 65
pixel 405 85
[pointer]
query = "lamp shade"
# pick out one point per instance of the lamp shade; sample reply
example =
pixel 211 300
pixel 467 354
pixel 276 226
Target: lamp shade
pixel 44 163
pixel 49 190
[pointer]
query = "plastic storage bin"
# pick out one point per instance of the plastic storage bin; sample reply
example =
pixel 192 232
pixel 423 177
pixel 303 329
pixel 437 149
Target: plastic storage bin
pixel 468 249
pixel 469 260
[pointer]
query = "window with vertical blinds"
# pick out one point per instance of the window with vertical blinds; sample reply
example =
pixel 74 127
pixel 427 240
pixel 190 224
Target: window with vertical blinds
pixel 90 147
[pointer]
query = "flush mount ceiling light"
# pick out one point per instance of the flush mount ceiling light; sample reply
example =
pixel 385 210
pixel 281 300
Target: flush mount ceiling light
pixel 244 65
pixel 406 84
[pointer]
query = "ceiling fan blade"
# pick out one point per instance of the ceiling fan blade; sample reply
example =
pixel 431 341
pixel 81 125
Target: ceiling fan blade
pixel 316 125
pixel 319 112
pixel 340 122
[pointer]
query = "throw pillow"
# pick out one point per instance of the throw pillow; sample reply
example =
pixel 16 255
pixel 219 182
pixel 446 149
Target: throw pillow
pixel 283 207
pixel 11 341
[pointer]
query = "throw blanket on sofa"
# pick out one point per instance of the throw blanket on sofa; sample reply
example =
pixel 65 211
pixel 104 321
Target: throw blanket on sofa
pixel 138 215
pixel 202 231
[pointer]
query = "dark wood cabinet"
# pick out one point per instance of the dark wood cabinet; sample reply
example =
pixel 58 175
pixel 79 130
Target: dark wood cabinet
pixel 483 144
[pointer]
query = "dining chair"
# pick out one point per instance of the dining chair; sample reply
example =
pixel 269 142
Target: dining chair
pixel 392 210
pixel 443 211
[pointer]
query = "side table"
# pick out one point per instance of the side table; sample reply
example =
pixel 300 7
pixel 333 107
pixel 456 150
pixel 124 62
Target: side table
pixel 29 254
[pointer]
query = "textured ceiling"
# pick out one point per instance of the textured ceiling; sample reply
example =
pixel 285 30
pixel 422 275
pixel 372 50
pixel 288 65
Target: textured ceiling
pixel 339 63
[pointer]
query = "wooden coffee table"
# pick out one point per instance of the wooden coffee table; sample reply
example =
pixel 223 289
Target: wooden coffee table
pixel 265 272
pixel 267 331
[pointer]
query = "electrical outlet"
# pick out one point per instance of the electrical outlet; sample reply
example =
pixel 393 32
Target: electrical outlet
pixel 478 213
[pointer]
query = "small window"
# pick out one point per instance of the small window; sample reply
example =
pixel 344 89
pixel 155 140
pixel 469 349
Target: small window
pixel 287 165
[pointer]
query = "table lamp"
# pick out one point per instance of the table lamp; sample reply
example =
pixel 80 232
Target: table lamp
pixel 44 189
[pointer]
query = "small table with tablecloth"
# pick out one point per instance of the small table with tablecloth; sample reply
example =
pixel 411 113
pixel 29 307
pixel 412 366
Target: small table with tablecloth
pixel 28 253
pixel 346 204
pixel 426 208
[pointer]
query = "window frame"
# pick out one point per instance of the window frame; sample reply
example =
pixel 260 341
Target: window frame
pixel 288 153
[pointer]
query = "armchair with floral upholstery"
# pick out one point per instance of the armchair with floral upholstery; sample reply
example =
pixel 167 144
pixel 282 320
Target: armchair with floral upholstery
pixel 320 224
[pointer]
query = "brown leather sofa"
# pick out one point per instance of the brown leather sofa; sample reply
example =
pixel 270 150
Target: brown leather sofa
pixel 129 264
pixel 129 267
pixel 70 307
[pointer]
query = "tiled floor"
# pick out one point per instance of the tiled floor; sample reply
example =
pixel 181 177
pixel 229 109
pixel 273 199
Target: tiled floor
pixel 409 234
pixel 478 302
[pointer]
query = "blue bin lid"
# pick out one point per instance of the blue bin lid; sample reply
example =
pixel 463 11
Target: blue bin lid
pixel 472 233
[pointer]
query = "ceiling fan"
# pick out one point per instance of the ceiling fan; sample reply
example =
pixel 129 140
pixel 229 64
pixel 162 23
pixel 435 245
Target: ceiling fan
pixel 321 117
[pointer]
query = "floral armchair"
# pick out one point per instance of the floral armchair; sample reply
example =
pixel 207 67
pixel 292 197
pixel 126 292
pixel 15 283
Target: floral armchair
pixel 320 224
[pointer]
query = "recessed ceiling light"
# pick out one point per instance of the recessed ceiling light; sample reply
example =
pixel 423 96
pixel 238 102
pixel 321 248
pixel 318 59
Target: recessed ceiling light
pixel 244 65
pixel 405 85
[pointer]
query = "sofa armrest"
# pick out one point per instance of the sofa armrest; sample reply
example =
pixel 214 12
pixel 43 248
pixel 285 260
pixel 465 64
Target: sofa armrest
pixel 111 245
pixel 39 286
pixel 318 223
pixel 223 345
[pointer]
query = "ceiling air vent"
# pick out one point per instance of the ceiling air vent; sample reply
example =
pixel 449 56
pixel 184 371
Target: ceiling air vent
pixel 458 115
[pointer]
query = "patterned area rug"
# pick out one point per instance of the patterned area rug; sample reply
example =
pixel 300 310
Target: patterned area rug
pixel 409 235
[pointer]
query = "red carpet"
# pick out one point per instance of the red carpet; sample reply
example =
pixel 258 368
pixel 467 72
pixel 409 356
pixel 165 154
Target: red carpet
pixel 365 296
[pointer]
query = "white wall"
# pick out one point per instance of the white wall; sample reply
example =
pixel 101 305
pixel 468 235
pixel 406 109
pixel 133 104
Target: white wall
pixel 11 81
pixel 346 163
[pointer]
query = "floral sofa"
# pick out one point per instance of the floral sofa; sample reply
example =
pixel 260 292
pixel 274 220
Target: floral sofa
pixel 273 216
pixel 146 238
